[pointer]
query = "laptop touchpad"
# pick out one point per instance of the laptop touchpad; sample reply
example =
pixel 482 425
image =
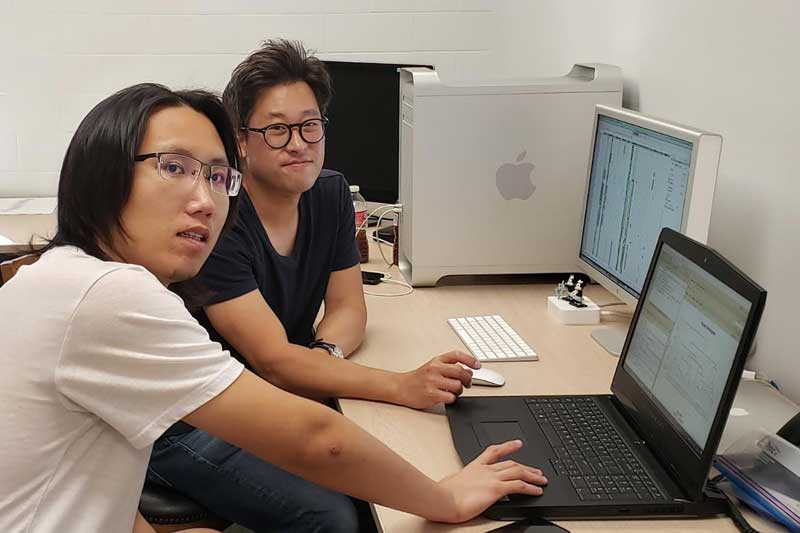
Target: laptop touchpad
pixel 497 432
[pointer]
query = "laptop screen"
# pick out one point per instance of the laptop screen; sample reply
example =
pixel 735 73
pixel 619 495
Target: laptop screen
pixel 687 335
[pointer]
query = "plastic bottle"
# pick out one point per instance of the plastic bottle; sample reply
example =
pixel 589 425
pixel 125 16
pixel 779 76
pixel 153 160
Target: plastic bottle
pixel 360 207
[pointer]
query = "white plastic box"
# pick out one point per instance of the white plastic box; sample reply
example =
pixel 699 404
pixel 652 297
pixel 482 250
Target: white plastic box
pixel 571 315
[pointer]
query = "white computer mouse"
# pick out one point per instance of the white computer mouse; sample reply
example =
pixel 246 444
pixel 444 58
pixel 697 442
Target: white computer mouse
pixel 487 377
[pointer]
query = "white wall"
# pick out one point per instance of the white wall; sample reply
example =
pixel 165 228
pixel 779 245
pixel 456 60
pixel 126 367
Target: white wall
pixel 58 59
pixel 729 66
pixel 724 65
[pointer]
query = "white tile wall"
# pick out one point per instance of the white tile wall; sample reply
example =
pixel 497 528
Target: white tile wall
pixel 45 152
pixel 415 5
pixel 159 7
pixel 6 46
pixel 372 32
pixel 472 66
pixel 6 114
pixel 8 136
pixel 8 149
pixel 481 5
pixel 346 6
pixel 23 184
pixel 453 31
pixel 5 73
pixel 427 6
pixel 58 59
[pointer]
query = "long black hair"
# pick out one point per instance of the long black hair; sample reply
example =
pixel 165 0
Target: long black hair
pixel 97 172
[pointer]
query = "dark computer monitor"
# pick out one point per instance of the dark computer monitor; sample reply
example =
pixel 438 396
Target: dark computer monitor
pixel 362 138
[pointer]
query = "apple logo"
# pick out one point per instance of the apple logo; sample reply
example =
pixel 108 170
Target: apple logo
pixel 514 179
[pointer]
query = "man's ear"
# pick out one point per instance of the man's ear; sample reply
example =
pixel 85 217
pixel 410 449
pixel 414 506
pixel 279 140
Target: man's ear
pixel 241 141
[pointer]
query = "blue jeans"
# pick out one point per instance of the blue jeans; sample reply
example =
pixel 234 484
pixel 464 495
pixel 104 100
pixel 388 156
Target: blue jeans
pixel 240 487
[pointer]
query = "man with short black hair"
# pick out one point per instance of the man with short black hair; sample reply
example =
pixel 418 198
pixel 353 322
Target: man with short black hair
pixel 292 248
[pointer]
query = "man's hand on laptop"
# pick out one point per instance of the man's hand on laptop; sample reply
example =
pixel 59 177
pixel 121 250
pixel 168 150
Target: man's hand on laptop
pixel 440 380
pixel 487 479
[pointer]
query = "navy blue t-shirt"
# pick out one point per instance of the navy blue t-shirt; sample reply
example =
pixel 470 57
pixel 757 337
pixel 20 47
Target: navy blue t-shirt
pixel 293 286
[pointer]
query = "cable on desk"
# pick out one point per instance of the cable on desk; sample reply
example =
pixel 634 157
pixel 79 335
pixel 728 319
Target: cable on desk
pixel 712 486
pixel 626 314
pixel 409 288
pixel 384 209
pixel 386 276
pixel 396 209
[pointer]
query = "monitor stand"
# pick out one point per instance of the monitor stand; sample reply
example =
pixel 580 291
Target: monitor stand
pixel 611 338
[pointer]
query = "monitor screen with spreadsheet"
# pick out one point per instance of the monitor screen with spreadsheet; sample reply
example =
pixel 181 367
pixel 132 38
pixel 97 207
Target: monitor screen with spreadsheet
pixel 644 174
pixel 637 186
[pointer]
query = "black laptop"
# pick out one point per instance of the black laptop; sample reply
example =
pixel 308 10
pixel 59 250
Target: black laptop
pixel 646 449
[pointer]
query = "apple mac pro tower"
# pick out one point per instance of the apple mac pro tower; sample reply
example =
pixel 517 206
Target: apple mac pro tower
pixel 492 175
pixel 644 174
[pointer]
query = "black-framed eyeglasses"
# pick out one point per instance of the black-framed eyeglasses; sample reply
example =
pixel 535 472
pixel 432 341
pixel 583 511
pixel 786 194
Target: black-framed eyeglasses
pixel 279 135
pixel 183 168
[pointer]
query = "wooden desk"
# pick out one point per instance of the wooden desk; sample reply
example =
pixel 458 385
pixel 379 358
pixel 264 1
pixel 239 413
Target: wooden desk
pixel 404 332
pixel 17 230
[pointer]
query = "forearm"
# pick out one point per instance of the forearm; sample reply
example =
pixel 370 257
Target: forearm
pixel 344 328
pixel 320 445
pixel 315 374
pixel 368 464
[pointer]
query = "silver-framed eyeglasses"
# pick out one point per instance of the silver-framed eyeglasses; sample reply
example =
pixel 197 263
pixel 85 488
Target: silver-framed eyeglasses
pixel 279 135
pixel 183 168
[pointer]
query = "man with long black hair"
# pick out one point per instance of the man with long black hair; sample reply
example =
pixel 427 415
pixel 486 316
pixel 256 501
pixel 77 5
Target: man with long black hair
pixel 100 357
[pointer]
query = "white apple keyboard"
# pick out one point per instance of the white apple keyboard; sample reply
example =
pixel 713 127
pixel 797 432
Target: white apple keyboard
pixel 491 339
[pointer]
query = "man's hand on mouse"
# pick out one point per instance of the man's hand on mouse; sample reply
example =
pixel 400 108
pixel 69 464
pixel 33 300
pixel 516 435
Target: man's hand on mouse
pixel 440 380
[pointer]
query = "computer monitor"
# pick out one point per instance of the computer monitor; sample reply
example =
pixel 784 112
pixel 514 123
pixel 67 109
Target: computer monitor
pixel 644 174
pixel 362 139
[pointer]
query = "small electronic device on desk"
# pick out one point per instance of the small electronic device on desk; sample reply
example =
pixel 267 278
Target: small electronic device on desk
pixel 371 278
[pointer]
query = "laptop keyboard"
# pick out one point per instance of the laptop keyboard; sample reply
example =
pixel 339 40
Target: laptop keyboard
pixel 590 452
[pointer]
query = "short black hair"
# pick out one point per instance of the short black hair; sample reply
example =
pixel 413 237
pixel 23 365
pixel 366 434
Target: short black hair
pixel 277 62
pixel 97 173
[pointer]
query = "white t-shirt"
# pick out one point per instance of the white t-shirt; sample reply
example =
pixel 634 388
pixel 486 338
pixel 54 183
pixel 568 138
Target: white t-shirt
pixel 98 359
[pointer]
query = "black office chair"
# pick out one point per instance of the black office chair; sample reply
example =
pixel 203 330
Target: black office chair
pixel 168 511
